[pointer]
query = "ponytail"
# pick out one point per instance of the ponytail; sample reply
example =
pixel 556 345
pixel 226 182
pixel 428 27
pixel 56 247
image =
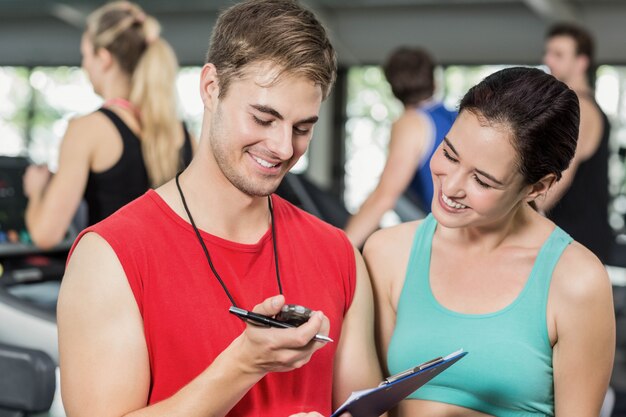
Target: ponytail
pixel 133 38
pixel 153 92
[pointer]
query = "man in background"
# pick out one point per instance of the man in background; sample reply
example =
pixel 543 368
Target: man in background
pixel 414 138
pixel 579 201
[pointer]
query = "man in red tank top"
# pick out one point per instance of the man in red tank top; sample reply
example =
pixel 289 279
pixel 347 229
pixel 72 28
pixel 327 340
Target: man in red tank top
pixel 144 326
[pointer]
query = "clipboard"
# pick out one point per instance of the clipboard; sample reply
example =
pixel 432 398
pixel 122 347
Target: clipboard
pixel 375 401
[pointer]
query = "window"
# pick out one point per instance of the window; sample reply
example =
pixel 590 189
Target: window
pixel 15 96
pixel 37 103
pixel 611 96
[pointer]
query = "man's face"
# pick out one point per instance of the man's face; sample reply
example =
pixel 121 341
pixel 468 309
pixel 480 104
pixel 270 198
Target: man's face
pixel 561 58
pixel 260 129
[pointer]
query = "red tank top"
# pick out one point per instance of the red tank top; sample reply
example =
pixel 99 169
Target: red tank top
pixel 185 310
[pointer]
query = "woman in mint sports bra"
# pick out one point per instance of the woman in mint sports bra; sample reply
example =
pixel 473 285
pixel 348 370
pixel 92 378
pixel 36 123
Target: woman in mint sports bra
pixel 487 273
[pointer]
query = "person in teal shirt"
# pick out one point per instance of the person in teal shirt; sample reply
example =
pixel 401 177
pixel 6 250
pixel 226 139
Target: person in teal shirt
pixel 488 273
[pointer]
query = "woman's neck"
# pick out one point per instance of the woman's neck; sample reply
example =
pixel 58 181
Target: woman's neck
pixel 119 102
pixel 116 86
pixel 489 237
pixel 422 103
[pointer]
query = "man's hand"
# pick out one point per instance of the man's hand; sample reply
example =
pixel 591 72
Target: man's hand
pixel 265 350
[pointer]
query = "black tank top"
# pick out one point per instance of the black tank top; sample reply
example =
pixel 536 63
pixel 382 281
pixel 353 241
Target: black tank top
pixel 583 210
pixel 109 190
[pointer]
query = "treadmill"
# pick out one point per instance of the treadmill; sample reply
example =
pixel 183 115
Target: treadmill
pixel 303 193
pixel 29 285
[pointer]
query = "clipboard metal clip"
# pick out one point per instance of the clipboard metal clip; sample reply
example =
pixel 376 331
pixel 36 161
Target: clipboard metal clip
pixel 411 371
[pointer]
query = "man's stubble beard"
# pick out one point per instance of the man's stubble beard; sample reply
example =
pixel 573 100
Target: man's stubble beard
pixel 217 141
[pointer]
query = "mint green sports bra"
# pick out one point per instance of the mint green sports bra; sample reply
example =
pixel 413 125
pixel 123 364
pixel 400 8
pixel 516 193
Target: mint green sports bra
pixel 508 371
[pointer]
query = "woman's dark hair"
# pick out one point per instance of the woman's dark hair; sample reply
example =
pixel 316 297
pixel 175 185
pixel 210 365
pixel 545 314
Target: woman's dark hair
pixel 541 113
pixel 409 71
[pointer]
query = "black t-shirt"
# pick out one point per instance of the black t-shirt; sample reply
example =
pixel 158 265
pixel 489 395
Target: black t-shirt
pixel 583 210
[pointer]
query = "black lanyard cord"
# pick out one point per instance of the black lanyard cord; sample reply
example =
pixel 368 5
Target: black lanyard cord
pixel 271 207
pixel 206 251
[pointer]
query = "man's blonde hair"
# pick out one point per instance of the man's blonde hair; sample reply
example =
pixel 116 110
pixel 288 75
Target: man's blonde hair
pixel 280 32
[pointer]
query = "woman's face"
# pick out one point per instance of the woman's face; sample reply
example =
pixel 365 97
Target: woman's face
pixel 475 176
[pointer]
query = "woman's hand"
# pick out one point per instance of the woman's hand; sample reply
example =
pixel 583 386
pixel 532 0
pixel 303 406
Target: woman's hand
pixel 35 180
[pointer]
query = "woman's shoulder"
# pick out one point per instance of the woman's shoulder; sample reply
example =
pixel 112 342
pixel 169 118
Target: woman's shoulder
pixel 87 123
pixel 96 126
pixel 99 118
pixel 579 274
pixel 387 253
pixel 399 234
pixel 83 132
pixel 410 118
pixel 390 244
pixel 93 117
pixel 581 304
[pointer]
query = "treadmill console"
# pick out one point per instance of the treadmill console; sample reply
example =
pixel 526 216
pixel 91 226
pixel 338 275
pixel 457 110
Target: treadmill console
pixel 14 238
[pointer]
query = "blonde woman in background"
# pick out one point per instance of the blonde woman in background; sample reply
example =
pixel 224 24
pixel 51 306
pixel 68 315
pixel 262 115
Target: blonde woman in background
pixel 133 142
